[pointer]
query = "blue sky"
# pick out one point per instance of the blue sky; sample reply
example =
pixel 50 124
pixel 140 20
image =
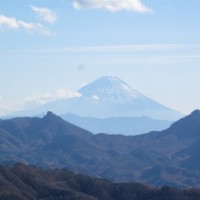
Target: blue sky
pixel 48 48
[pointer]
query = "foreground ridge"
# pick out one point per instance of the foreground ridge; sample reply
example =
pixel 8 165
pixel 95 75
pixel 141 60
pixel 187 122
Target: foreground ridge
pixel 22 182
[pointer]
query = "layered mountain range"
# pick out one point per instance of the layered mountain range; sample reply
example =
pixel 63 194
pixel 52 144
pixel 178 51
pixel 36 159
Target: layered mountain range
pixel 169 157
pixel 110 105
pixel 118 125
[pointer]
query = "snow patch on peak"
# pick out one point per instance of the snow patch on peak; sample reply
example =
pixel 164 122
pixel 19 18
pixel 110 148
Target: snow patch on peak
pixel 110 89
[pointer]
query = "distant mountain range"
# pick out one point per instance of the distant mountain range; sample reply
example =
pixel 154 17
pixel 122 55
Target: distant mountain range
pixel 21 182
pixel 169 157
pixel 107 97
pixel 118 125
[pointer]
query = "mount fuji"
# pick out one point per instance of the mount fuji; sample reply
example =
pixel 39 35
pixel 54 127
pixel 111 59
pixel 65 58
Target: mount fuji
pixel 106 97
pixel 111 89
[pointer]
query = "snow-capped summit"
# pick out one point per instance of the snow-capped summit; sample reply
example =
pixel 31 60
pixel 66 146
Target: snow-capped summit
pixel 110 89
pixel 107 97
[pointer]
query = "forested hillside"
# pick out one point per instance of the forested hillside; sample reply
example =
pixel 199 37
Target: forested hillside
pixel 21 182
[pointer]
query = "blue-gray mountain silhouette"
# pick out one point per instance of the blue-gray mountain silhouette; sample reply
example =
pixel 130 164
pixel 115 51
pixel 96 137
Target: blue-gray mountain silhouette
pixel 169 157
pixel 118 125
pixel 107 97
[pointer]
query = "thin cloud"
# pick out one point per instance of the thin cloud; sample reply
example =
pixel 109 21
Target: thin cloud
pixel 125 48
pixel 8 106
pixel 112 5
pixel 12 23
pixel 45 14
pixel 114 48
pixel 40 99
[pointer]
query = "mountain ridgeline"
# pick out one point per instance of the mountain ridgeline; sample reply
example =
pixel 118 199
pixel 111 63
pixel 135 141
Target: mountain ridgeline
pixel 168 157
pixel 107 97
pixel 118 125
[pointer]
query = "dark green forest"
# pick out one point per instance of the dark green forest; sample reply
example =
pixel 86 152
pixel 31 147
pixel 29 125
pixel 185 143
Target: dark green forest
pixel 23 182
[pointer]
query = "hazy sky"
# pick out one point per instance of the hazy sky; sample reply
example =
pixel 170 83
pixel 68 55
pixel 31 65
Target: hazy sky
pixel 49 48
